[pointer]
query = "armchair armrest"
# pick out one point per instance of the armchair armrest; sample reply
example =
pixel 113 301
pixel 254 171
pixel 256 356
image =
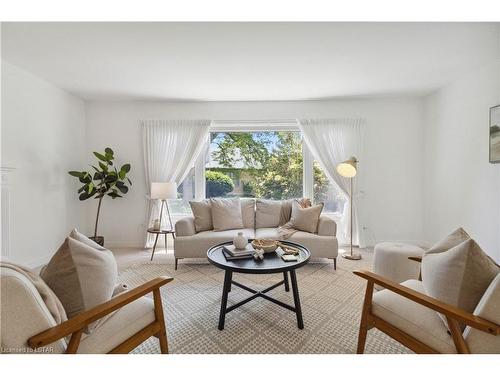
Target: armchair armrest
pixel 185 227
pixel 80 321
pixel 327 226
pixel 432 303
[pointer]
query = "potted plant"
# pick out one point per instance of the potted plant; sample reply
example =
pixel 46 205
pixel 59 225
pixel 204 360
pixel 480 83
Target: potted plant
pixel 105 180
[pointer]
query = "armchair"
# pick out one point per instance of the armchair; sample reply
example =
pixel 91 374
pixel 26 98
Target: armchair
pixel 405 313
pixel 128 320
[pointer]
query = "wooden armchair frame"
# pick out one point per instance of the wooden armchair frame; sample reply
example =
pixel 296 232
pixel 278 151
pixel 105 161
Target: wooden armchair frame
pixel 78 323
pixel 454 316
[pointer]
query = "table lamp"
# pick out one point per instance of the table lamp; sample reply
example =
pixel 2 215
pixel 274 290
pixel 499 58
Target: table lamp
pixel 164 191
pixel 348 169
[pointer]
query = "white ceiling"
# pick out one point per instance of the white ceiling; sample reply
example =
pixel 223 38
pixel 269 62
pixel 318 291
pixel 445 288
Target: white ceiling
pixel 248 61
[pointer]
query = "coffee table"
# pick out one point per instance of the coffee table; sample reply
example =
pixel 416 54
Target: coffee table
pixel 272 263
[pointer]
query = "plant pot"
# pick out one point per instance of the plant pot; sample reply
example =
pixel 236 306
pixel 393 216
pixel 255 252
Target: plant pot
pixel 98 240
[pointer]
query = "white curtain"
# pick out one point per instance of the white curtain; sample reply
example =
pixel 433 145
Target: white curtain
pixel 332 141
pixel 170 149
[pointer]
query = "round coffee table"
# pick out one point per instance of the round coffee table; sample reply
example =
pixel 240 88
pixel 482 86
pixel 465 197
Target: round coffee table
pixel 272 263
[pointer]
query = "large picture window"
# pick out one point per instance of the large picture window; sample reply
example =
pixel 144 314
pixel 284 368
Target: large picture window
pixel 255 164
pixel 261 164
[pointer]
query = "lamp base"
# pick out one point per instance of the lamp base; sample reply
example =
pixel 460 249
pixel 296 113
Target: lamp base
pixel 351 257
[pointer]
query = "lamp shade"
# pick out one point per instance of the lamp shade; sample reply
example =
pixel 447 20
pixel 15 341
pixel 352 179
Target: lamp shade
pixel 163 190
pixel 348 168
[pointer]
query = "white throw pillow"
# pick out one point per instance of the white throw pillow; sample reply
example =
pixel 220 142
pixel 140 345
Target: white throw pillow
pixel 202 212
pixel 226 213
pixel 458 276
pixel 306 219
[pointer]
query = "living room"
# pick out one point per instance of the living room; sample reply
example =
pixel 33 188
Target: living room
pixel 354 162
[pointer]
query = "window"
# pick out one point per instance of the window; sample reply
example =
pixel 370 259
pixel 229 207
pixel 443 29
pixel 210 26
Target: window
pixel 270 164
pixel 264 164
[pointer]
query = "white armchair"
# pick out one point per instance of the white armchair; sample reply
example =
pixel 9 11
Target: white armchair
pixel 404 312
pixel 28 327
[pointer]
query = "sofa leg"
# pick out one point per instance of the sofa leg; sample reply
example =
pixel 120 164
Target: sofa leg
pixel 335 264
pixel 176 262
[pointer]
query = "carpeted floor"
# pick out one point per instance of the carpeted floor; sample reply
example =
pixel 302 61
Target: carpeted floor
pixel 331 304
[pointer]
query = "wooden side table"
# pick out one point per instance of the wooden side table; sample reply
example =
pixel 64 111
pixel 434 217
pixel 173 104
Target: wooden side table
pixel 165 232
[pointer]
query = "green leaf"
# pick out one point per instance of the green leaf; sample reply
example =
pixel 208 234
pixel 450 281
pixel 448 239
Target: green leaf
pixel 90 188
pixel 100 156
pixel 76 173
pixel 110 178
pixel 126 168
pixel 121 174
pixel 123 189
pixel 98 176
pixel 109 151
pixel 103 166
pixel 83 188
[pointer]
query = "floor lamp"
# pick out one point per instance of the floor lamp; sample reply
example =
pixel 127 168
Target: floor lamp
pixel 348 169
pixel 164 191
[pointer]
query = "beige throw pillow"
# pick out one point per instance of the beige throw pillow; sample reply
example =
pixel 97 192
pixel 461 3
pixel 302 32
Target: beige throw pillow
pixel 81 276
pixel 202 213
pixel 267 213
pixel 306 219
pixel 458 276
pixel 453 239
pixel 226 213
pixel 248 212
pixel 83 238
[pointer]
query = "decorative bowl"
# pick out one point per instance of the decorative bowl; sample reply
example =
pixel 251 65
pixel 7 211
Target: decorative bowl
pixel 268 246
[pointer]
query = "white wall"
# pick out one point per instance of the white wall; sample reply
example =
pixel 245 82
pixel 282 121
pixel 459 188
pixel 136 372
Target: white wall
pixel 461 187
pixel 43 136
pixel 392 206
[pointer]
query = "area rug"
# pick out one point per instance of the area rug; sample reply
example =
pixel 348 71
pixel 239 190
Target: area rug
pixel 331 305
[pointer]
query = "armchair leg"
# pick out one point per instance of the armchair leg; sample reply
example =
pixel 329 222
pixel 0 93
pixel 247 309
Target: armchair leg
pixel 364 326
pixel 335 263
pixel 162 334
pixel 176 262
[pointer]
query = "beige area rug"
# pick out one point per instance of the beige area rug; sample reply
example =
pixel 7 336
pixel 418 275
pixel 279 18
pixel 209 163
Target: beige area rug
pixel 331 306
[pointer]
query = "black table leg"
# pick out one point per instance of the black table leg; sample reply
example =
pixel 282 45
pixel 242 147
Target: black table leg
pixel 225 291
pixel 296 299
pixel 285 278
pixel 154 246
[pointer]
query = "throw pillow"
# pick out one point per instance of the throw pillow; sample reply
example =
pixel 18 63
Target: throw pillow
pixel 248 212
pixel 306 219
pixel 226 213
pixel 453 239
pixel 267 213
pixel 459 276
pixel 81 276
pixel 83 238
pixel 202 212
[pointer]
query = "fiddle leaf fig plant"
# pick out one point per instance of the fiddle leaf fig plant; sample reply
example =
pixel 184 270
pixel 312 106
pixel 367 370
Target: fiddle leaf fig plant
pixel 105 179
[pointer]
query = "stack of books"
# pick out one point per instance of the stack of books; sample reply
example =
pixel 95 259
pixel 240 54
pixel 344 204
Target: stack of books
pixel 232 253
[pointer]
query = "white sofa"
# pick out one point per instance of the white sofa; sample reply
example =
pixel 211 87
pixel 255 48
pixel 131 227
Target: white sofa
pixel 258 223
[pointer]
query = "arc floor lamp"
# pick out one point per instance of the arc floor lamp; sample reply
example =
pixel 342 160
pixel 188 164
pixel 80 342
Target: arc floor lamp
pixel 349 169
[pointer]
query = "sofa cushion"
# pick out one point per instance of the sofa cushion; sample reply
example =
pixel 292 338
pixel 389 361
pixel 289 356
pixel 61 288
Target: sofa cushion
pixel 226 213
pixel 413 318
pixel 248 212
pixel 81 276
pixel 267 213
pixel 196 246
pixel 305 219
pixel 125 322
pixel 202 213
pixel 319 246
pixel 459 276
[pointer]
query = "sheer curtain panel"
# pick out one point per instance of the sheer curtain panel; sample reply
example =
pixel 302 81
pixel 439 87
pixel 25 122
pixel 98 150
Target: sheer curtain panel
pixel 170 149
pixel 332 141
